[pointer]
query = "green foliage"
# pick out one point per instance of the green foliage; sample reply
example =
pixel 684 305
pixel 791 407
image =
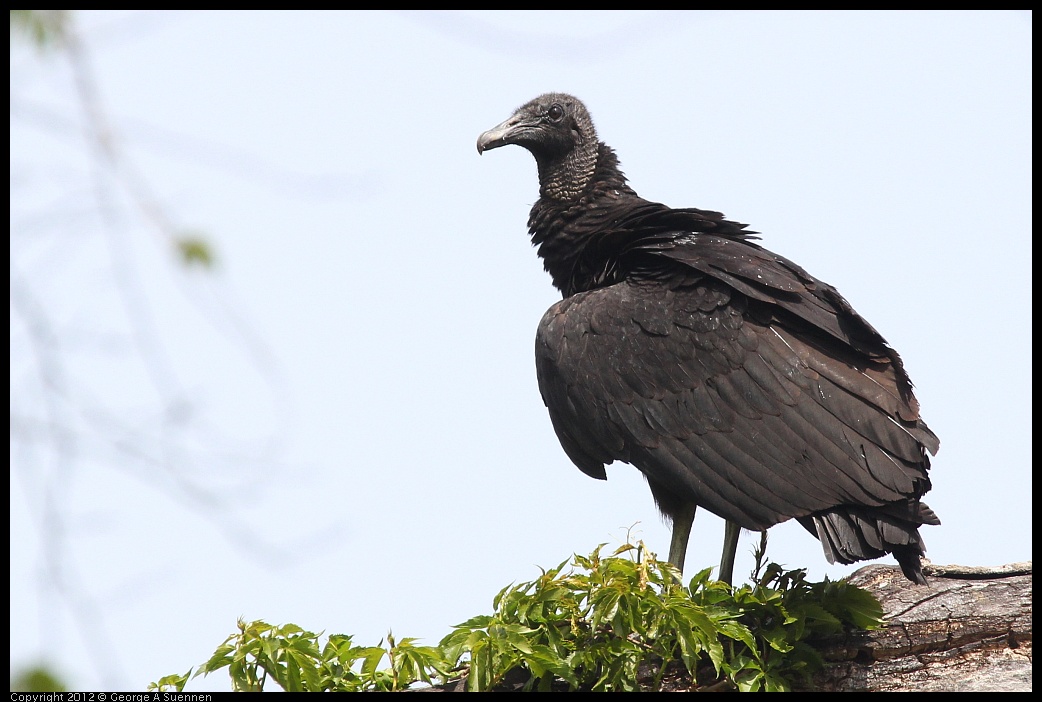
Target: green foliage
pixel 44 28
pixel 38 678
pixel 619 623
pixel 296 661
pixel 615 624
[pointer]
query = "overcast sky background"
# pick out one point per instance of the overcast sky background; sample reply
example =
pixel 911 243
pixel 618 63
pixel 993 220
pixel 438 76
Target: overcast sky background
pixel 340 426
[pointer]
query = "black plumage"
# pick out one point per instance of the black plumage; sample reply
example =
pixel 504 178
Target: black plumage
pixel 728 375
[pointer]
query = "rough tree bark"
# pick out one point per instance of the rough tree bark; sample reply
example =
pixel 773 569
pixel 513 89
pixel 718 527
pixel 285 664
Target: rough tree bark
pixel 970 630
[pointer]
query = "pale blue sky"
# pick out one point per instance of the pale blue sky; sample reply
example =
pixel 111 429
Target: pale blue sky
pixel 342 427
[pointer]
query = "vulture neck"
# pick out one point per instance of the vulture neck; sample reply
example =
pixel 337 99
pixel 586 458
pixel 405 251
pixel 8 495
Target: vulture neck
pixel 576 193
pixel 565 179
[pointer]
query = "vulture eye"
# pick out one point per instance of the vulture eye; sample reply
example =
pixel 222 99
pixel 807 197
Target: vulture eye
pixel 555 113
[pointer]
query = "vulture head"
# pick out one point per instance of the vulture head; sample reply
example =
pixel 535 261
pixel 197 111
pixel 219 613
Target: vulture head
pixel 556 128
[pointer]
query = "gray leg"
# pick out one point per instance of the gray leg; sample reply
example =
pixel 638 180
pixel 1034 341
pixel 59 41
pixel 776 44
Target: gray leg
pixel 731 532
pixel 681 532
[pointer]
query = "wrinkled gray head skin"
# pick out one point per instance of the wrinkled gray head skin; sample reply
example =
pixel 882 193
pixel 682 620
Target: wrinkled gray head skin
pixel 556 128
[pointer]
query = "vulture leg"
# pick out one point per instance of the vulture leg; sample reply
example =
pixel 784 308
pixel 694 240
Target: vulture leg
pixel 682 522
pixel 731 532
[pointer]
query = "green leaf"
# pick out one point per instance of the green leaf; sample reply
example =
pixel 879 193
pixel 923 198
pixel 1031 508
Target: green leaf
pixel 167 683
pixel 195 250
pixel 853 604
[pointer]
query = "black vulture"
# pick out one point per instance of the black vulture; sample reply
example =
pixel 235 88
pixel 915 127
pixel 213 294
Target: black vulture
pixel 729 376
